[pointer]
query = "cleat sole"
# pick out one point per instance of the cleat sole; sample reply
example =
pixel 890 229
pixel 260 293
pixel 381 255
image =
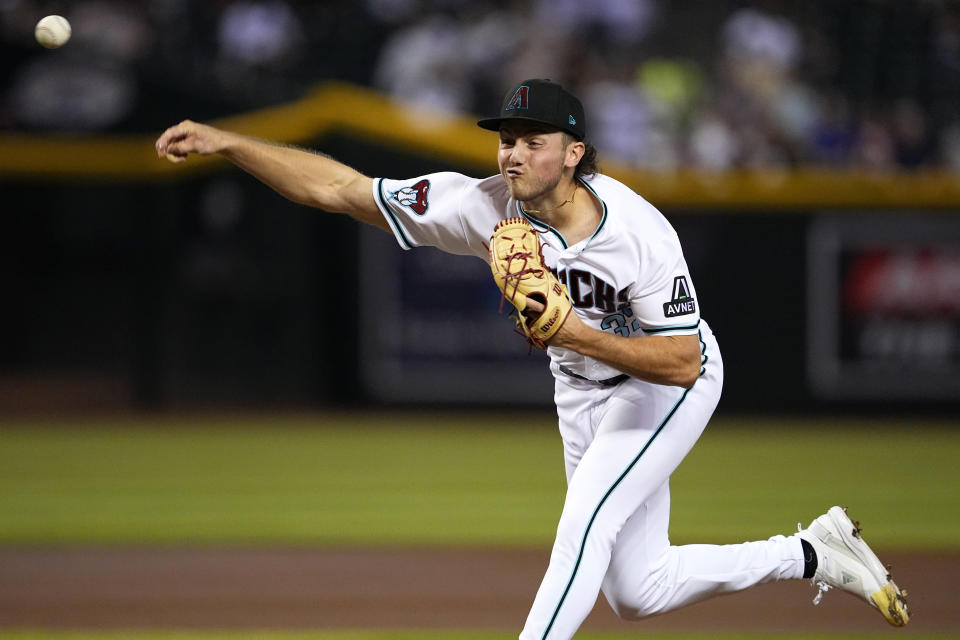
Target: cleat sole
pixel 892 604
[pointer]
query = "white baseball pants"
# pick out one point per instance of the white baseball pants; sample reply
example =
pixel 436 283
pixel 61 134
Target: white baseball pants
pixel 620 445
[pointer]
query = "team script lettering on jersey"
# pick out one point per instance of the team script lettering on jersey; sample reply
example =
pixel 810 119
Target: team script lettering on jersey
pixel 588 290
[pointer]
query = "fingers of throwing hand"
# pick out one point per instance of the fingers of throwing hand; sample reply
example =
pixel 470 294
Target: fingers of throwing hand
pixel 172 143
pixel 175 158
pixel 171 150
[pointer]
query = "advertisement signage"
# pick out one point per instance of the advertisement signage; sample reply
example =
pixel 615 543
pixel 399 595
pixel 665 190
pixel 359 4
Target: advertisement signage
pixel 431 331
pixel 884 307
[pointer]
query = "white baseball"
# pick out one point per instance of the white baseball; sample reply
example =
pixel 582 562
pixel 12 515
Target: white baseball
pixel 52 31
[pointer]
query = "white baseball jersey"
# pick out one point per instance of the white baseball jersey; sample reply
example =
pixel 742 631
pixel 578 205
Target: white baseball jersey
pixel 629 278
pixel 622 437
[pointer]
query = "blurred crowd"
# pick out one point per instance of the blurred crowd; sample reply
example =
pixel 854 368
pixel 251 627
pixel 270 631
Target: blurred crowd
pixel 865 84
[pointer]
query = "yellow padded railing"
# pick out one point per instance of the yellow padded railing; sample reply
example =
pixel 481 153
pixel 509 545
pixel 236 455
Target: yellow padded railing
pixel 365 115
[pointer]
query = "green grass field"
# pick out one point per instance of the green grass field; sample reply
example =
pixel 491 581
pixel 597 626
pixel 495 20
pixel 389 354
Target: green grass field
pixel 442 479
pixel 448 479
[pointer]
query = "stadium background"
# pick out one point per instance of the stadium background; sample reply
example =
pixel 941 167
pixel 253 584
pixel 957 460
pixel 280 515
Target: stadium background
pixel 188 359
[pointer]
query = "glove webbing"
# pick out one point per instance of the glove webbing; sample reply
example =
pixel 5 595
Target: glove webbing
pixel 515 276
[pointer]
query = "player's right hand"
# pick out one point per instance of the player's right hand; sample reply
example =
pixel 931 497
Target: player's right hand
pixel 177 142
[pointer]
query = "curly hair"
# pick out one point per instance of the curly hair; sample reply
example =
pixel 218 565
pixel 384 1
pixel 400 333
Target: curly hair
pixel 589 164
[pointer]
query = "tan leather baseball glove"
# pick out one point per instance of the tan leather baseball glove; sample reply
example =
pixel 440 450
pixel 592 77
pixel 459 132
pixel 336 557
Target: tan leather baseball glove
pixel 516 260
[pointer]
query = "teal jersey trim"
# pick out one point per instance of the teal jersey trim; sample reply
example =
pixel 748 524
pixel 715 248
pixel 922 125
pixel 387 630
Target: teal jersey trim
pixel 685 327
pixel 603 217
pixel 385 207
pixel 542 226
pixel 586 533
pixel 703 353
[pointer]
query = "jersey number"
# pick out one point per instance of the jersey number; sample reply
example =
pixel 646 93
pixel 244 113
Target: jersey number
pixel 622 323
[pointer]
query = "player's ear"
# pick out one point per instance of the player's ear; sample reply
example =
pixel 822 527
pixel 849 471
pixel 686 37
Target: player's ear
pixel 574 151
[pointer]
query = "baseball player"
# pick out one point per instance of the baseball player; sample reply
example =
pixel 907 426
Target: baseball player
pixel 598 278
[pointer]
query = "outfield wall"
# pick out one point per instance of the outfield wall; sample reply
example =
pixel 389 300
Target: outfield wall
pixel 141 283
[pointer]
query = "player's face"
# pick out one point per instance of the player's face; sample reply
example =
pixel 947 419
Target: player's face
pixel 531 159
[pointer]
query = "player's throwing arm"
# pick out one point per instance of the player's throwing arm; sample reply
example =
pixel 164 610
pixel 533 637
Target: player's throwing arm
pixel 299 175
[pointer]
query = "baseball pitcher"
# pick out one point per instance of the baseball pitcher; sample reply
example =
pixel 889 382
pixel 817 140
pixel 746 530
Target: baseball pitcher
pixel 598 278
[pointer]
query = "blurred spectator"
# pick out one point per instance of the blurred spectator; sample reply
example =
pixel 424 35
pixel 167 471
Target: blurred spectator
pixel 624 22
pixel 259 43
pixel 713 145
pixel 423 64
pixel 950 147
pixel 725 84
pixel 909 125
pixel 754 38
pixel 115 30
pixel 874 147
pixel 77 94
pixel 833 135
pixel 259 33
pixel 490 40
pixel 621 121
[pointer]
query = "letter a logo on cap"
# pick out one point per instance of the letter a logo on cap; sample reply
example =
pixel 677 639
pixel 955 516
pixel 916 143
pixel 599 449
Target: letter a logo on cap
pixel 519 99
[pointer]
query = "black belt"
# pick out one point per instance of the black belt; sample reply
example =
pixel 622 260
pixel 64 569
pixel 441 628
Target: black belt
pixel 609 382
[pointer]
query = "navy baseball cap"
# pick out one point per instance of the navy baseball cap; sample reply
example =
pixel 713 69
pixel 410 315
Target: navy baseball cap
pixel 541 101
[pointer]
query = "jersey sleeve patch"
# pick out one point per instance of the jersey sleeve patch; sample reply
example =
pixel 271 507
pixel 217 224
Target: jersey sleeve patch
pixel 681 303
pixel 414 197
pixel 383 202
pixel 426 211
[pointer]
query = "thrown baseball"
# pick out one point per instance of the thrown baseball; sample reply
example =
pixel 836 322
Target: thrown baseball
pixel 52 31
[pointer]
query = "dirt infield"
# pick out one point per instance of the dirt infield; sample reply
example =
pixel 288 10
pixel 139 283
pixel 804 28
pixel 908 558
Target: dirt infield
pixel 202 588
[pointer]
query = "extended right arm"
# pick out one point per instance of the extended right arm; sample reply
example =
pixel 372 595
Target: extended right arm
pixel 299 175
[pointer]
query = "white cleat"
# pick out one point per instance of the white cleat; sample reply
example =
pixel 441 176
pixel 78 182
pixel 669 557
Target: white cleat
pixel 846 562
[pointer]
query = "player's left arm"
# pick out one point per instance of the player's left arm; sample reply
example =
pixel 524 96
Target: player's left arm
pixel 666 360
pixel 674 359
pixel 662 277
